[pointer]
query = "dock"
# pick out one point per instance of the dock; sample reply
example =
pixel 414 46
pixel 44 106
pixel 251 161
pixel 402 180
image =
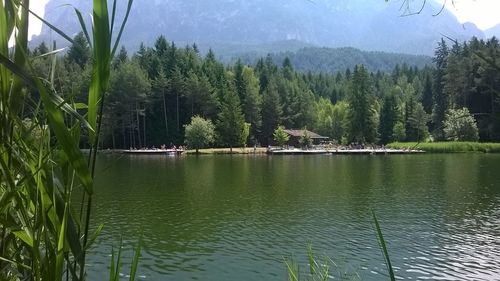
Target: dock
pixel 343 151
pixel 154 151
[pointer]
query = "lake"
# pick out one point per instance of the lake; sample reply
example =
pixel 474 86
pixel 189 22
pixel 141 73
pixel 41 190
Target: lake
pixel 240 217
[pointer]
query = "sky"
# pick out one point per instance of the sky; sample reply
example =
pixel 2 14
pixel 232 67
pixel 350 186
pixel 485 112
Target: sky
pixel 484 13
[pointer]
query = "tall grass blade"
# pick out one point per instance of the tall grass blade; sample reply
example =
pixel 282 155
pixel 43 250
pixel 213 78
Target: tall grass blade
pixel 312 261
pixel 7 64
pixel 53 27
pixel 135 261
pixel 122 27
pixel 293 270
pixel 118 265
pixel 113 14
pixel 112 266
pixel 56 119
pixel 61 245
pixel 383 246
pixel 94 236
pixel 83 26
pixel 101 65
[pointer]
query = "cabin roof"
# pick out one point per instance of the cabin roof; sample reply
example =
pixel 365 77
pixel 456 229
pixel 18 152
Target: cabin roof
pixel 300 133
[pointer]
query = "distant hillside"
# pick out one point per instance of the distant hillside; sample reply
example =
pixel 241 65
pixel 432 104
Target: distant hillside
pixel 330 60
pixel 494 31
pixel 374 25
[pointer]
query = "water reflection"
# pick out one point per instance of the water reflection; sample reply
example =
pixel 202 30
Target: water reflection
pixel 226 218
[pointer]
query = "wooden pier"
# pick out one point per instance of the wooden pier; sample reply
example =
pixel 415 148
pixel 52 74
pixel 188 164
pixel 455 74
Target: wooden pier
pixel 154 151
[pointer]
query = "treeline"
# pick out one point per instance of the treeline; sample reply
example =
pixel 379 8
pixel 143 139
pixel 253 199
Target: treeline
pixel 332 60
pixel 156 91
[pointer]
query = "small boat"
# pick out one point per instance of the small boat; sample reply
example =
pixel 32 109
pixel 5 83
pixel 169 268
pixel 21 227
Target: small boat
pixel 154 151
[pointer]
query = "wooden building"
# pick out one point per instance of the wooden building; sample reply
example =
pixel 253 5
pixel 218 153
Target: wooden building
pixel 295 136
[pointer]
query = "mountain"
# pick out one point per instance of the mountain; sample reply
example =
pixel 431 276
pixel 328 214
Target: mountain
pixel 494 31
pixel 332 60
pixel 368 25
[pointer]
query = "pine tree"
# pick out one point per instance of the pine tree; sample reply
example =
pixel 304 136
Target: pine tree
pixel 361 115
pixel 427 94
pixel 441 100
pixel 231 122
pixel 388 118
pixel 271 112
pixel 79 52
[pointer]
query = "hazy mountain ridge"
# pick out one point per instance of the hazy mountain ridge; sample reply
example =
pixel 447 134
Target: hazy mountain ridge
pixel 374 25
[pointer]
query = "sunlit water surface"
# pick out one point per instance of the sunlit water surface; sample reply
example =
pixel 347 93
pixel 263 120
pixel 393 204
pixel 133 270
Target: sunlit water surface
pixel 240 217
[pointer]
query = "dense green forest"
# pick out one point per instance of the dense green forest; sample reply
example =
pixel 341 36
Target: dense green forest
pixel 156 91
pixel 332 60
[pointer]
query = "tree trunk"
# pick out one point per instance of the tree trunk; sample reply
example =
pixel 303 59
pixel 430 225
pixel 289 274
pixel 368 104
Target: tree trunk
pixel 144 127
pixel 177 109
pixel 113 135
pixel 165 114
pixel 124 135
pixel 138 124
pixel 131 128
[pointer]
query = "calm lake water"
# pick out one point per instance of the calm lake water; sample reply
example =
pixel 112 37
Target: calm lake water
pixel 239 217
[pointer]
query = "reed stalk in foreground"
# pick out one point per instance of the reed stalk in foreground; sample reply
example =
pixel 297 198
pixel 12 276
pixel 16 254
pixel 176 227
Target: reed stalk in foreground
pixel 327 269
pixel 42 235
pixel 320 269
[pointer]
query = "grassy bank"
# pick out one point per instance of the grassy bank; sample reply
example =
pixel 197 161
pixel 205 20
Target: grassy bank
pixel 448 147
pixel 238 150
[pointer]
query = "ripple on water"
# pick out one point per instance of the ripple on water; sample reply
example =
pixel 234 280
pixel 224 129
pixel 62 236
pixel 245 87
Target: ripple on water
pixel 198 223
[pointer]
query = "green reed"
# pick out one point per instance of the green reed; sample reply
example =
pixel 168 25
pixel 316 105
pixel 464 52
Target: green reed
pixel 449 147
pixel 322 269
pixel 42 235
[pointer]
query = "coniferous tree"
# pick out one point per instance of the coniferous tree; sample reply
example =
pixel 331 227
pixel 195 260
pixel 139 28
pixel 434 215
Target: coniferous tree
pixel 251 101
pixel 231 122
pixel 361 117
pixel 441 100
pixel 427 99
pixel 388 119
pixel 79 52
pixel 271 112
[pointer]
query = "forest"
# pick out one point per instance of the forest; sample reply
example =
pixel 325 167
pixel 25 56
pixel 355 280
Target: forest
pixel 155 92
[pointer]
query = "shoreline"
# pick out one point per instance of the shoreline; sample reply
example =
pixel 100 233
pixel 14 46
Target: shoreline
pixel 449 147
pixel 392 148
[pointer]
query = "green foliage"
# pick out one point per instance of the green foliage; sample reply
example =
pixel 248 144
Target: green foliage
pixel 399 132
pixel 44 236
pixel 305 140
pixel 251 100
pixel 79 52
pixel 449 147
pixel 199 133
pixel 280 136
pixel 332 60
pixel 416 121
pixel 388 118
pixel 361 116
pixel 126 103
pixel 471 79
pixel 346 106
pixel 271 112
pixel 441 99
pixel 317 270
pixel 331 119
pixel 231 122
pixel 460 125
pixel 383 246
